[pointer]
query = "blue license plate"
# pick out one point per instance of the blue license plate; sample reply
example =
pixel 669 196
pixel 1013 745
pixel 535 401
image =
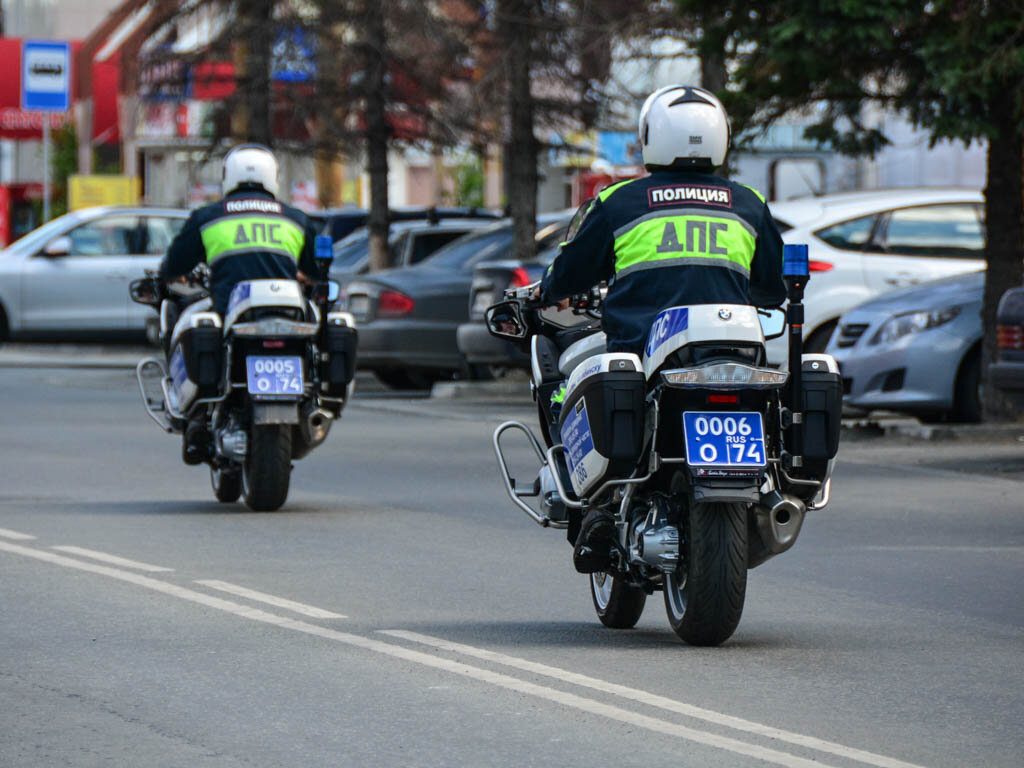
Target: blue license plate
pixel 274 376
pixel 724 439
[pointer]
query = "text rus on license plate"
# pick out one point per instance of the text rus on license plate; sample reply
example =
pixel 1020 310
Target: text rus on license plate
pixel 274 376
pixel 724 439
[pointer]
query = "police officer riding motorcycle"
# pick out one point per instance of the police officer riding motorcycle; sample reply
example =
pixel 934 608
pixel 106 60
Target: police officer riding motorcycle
pixel 675 458
pixel 257 364
pixel 679 237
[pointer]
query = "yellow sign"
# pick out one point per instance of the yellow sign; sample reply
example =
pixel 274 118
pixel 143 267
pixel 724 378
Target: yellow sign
pixel 87 191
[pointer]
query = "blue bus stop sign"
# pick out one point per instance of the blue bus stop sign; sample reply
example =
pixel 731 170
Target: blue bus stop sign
pixel 45 76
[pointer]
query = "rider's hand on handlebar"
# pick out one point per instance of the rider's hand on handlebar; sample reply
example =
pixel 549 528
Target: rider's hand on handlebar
pixel 535 296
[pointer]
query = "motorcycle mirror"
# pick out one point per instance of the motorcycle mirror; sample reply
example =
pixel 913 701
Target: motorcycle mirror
pixel 143 291
pixel 505 320
pixel 333 291
pixel 773 323
pixel 59 246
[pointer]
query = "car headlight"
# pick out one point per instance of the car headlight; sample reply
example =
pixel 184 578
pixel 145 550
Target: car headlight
pixel 904 324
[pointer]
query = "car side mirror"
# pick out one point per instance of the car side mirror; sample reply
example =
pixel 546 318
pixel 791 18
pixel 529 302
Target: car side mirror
pixel 505 320
pixel 59 246
pixel 773 323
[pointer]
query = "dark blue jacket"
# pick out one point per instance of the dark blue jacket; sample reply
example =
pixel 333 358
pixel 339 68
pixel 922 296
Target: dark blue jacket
pixel 246 236
pixel 672 238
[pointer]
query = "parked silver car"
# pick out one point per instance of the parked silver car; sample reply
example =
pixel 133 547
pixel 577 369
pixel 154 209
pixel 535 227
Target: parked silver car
pixel 70 276
pixel 916 351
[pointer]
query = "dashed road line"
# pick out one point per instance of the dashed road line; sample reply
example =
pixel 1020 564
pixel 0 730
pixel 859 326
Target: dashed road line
pixel 8 534
pixel 103 557
pixel 563 698
pixel 653 700
pixel 263 597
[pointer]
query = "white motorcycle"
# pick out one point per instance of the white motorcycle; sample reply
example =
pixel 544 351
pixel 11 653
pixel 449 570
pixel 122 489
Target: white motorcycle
pixel 706 458
pixel 254 390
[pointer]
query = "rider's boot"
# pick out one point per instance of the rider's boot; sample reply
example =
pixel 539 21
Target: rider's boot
pixel 593 551
pixel 196 443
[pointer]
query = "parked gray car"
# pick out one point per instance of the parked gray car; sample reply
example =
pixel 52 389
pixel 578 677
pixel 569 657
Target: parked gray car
pixel 70 276
pixel 410 243
pixel 915 351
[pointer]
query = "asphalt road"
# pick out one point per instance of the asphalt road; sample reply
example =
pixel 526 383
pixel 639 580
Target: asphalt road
pixel 399 612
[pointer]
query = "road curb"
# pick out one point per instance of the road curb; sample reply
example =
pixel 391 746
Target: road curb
pixel 907 430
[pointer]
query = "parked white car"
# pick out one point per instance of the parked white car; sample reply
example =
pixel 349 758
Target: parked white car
pixel 71 276
pixel 862 244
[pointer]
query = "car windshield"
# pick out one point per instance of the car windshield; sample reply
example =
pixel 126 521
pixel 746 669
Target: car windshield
pixel 471 249
pixel 349 250
pixel 37 238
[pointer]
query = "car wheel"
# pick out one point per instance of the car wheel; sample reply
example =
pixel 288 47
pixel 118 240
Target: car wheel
pixel 967 397
pixel 818 340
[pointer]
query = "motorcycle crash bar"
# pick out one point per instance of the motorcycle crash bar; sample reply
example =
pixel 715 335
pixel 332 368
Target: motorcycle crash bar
pixel 516 495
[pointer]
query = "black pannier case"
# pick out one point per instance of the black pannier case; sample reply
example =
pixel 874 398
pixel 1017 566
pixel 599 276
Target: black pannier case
pixel 204 356
pixel 340 367
pixel 823 405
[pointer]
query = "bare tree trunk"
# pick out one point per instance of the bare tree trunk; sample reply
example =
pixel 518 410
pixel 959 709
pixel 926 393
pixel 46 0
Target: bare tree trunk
pixel 375 47
pixel 1004 241
pixel 259 22
pixel 521 166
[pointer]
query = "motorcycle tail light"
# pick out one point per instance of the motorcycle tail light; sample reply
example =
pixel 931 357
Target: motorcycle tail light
pixel 1010 336
pixel 394 304
pixel 273 344
pixel 723 398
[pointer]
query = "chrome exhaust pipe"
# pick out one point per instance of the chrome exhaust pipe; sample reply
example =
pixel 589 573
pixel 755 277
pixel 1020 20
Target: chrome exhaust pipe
pixel 778 518
pixel 315 424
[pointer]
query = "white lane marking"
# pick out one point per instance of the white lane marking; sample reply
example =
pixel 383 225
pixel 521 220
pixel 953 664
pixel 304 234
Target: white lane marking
pixel 940 548
pixel 124 562
pixel 651 699
pixel 7 534
pixel 436 662
pixel 263 597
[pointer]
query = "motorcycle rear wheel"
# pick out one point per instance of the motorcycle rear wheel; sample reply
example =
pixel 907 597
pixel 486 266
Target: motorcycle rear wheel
pixel 227 486
pixel 618 604
pixel 704 597
pixel 268 467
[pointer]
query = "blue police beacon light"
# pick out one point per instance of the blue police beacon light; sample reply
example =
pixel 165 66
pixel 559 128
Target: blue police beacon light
pixel 323 249
pixel 794 261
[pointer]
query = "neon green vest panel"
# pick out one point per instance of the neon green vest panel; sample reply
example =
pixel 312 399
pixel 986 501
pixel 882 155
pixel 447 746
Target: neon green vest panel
pixel 685 237
pixel 233 235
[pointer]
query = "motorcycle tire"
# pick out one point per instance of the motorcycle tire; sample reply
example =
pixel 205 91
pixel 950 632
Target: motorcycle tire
pixel 704 597
pixel 227 486
pixel 618 604
pixel 268 467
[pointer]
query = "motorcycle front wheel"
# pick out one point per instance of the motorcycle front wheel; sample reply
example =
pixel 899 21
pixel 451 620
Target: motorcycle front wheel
pixel 704 596
pixel 618 604
pixel 268 467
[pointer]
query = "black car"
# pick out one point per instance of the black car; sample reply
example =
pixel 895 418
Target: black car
pixel 1007 372
pixel 490 280
pixel 408 317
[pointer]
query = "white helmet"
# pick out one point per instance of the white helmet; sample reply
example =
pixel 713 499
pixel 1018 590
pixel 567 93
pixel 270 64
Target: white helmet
pixel 684 127
pixel 251 164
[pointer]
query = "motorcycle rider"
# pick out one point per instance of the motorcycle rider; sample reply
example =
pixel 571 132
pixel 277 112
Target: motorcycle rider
pixel 247 235
pixel 679 236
